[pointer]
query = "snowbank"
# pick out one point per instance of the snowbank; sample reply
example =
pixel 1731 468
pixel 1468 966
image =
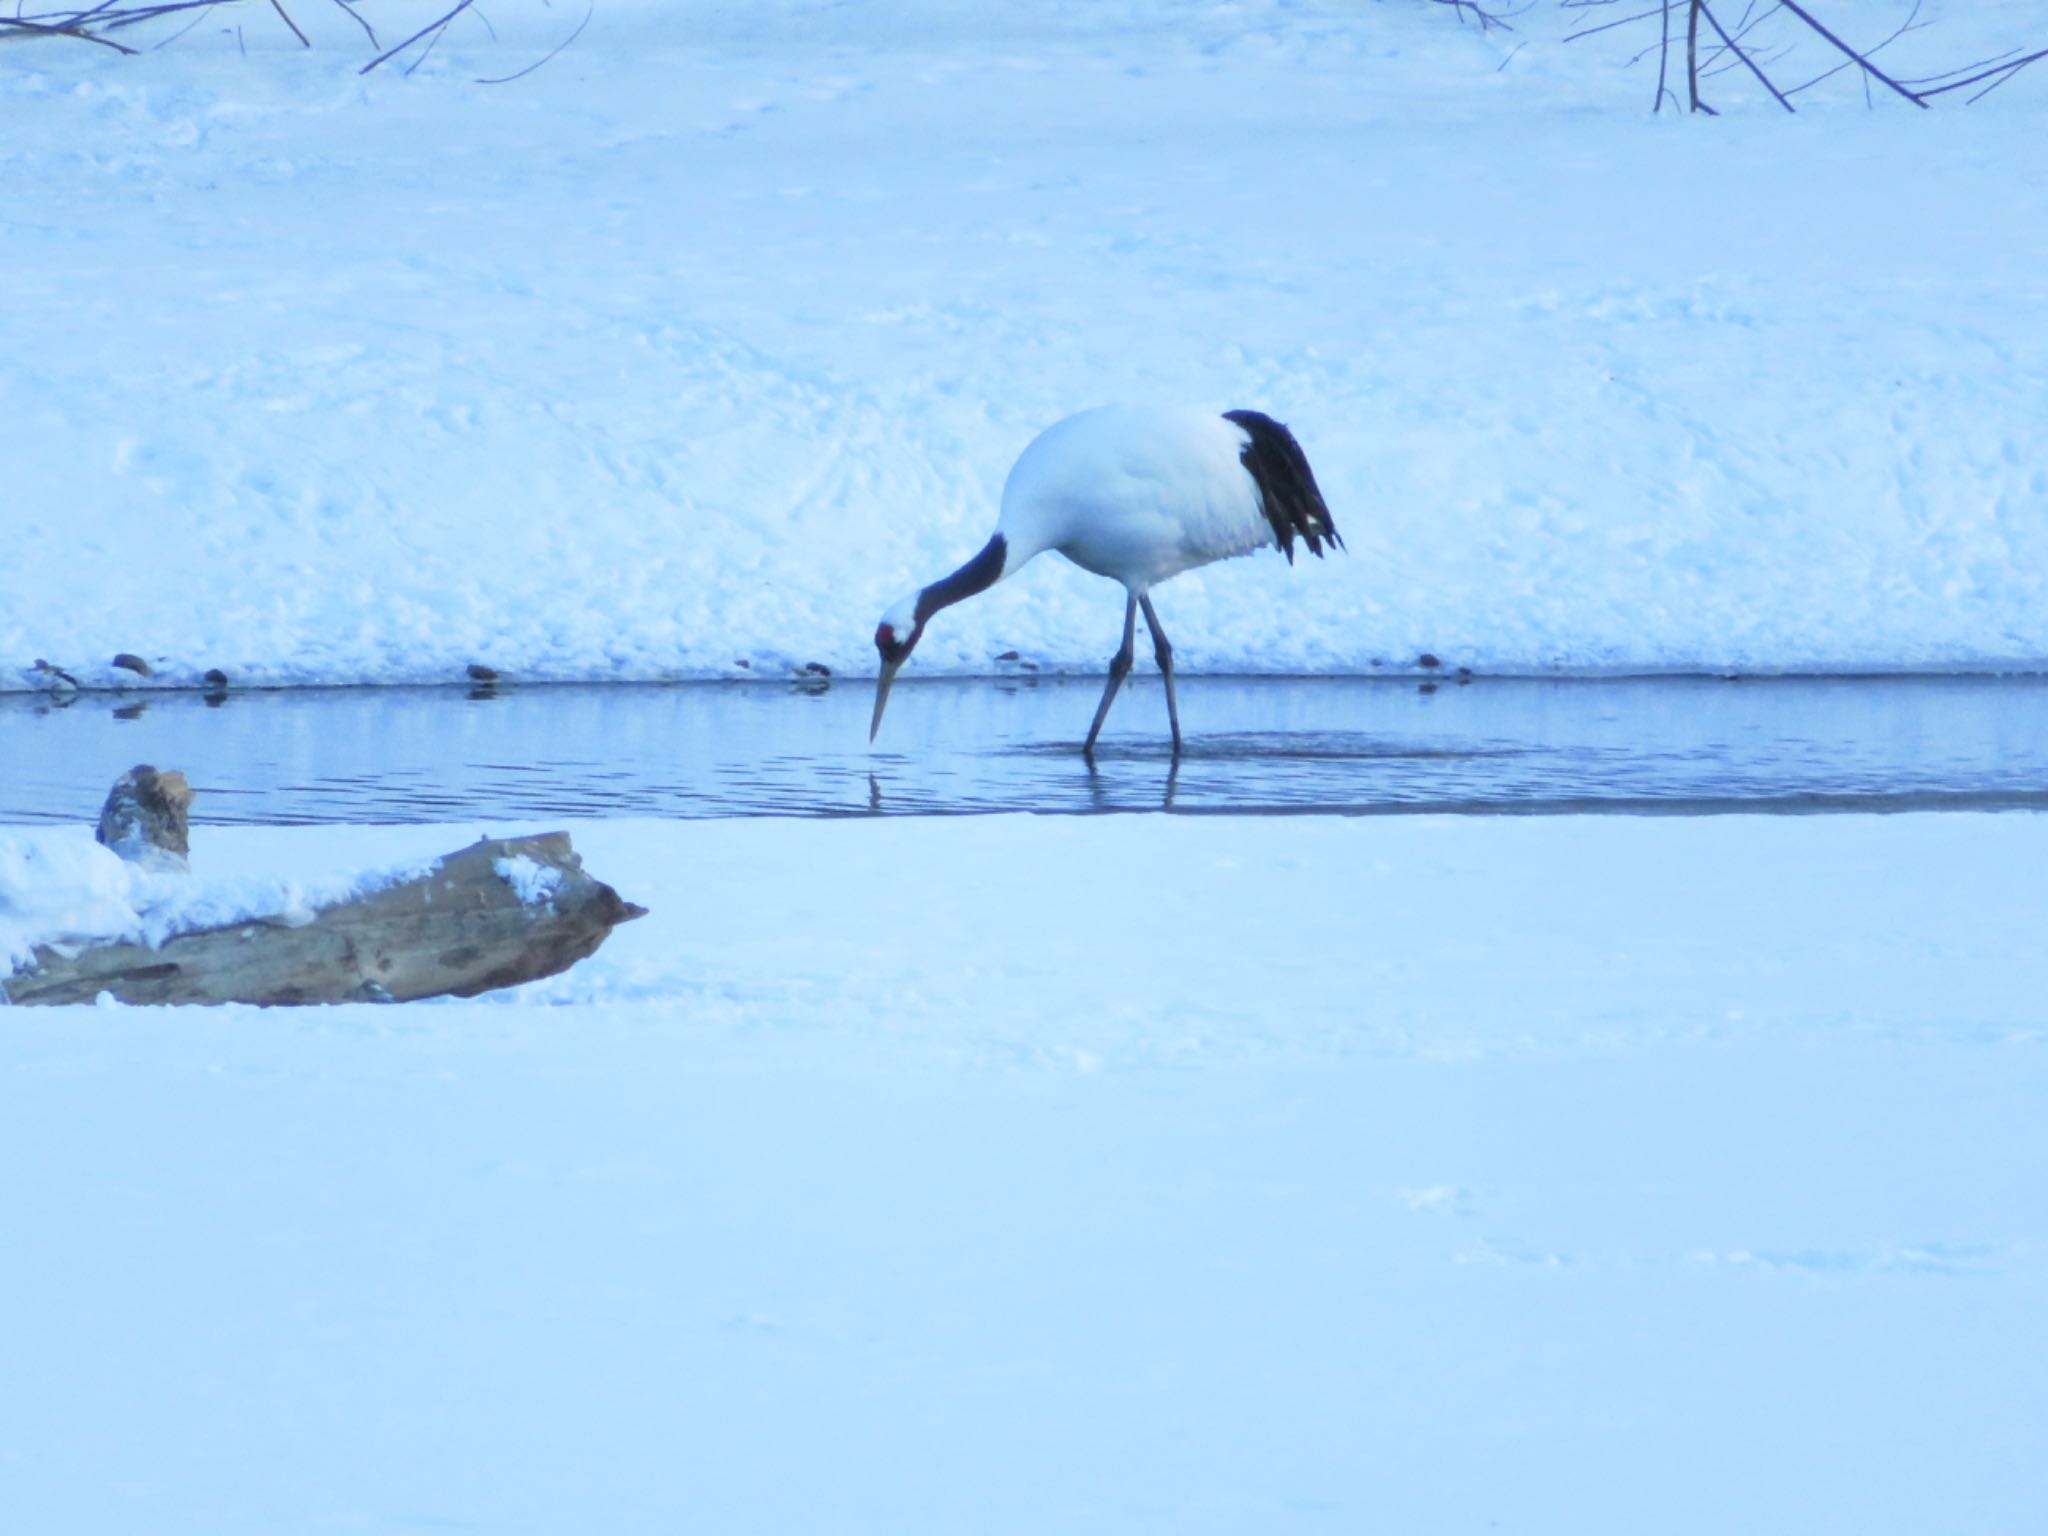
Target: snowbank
pixel 705 342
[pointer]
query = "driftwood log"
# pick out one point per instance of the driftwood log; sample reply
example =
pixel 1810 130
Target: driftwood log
pixel 495 914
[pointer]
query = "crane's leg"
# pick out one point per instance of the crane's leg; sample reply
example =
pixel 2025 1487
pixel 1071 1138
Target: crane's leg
pixel 1119 669
pixel 1163 649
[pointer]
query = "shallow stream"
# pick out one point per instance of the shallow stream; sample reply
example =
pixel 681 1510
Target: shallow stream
pixel 1273 745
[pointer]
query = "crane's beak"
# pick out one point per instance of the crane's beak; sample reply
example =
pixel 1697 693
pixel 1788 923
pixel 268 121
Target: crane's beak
pixel 882 682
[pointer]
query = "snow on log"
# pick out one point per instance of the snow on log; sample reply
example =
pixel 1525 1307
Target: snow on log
pixel 500 912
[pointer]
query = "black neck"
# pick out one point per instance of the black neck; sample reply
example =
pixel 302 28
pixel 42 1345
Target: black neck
pixel 977 575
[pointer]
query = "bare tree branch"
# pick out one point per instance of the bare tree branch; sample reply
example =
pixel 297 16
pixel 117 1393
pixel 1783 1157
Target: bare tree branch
pixel 1737 49
pixel 565 42
pixel 1912 23
pixel 60 29
pixel 278 6
pixel 433 28
pixel 1663 57
pixel 95 22
pixel 1487 18
pixel 1692 57
pixel 1623 21
pixel 349 11
pixel 2004 72
pixel 1765 35
pixel 1862 60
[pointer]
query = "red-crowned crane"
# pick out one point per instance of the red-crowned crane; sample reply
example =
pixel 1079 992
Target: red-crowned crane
pixel 1138 495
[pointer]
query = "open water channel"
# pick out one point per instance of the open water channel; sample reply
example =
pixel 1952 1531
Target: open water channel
pixel 1260 745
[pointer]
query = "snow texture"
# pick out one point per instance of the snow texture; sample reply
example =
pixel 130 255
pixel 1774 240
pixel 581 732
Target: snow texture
pixel 1101 1175
pixel 706 341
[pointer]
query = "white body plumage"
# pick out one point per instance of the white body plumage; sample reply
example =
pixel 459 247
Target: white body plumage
pixel 1137 494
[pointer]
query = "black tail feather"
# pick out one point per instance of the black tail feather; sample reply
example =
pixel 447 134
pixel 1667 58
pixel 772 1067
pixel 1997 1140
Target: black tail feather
pixel 1288 493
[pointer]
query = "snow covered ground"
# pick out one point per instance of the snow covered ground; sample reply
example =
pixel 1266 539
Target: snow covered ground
pixel 1029 1174
pixel 1118 1174
pixel 711 338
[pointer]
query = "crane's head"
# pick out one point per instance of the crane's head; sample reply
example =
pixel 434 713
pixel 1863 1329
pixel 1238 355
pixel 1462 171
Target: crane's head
pixel 895 638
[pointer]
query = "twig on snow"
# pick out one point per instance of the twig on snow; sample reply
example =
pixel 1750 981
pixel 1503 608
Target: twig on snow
pixel 1737 49
pixel 1862 61
pixel 565 42
pixel 349 11
pixel 285 16
pixel 432 28
pixel 41 29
